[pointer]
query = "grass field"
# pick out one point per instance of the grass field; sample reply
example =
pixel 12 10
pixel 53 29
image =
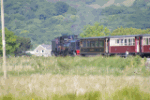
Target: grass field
pixel 98 65
pixel 76 78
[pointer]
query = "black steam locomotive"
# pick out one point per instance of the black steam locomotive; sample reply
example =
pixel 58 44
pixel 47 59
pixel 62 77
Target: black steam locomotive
pixel 66 45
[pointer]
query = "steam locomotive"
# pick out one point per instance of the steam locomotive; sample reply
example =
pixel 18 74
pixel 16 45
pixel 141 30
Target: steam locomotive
pixel 66 45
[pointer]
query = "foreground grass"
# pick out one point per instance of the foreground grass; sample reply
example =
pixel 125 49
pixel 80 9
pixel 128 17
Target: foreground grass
pixel 60 87
pixel 76 78
pixel 98 65
pixel 127 93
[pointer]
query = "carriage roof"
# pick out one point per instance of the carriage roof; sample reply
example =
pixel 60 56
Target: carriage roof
pixel 118 36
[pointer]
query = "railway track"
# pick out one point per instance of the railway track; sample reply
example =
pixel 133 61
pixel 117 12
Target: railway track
pixel 148 60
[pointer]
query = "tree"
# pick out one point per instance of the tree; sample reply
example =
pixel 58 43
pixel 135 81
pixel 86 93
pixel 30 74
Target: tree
pixel 24 45
pixel 129 31
pixel 140 3
pixel 96 30
pixel 11 44
pixel 61 7
pixel 113 9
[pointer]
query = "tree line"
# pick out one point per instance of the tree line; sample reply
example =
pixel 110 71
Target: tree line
pixel 15 45
pixel 100 30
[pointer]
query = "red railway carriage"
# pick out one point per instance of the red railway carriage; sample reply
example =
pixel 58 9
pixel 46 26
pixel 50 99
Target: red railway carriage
pixel 123 44
pixel 145 44
pixel 112 45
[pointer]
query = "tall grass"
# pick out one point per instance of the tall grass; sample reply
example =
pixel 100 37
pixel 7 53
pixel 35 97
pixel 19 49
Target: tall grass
pixel 76 66
pixel 127 93
pixel 130 93
pixel 75 78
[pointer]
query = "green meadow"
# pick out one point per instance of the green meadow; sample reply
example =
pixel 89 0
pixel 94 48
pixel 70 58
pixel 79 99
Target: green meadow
pixel 76 78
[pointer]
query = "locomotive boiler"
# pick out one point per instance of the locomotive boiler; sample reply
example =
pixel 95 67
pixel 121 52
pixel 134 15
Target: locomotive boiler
pixel 66 45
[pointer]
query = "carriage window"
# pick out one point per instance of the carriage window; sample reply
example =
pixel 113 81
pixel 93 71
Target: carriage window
pixel 84 43
pixel 133 41
pixel 92 43
pixel 101 43
pixel 118 41
pixel 88 43
pixel 125 41
pixel 146 41
pixel 96 44
pixel 128 41
pixel 121 41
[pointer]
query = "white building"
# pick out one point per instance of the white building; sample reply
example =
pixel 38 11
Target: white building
pixel 41 50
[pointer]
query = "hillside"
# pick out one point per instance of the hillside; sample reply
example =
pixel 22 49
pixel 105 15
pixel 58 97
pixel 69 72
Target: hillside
pixel 136 16
pixel 42 20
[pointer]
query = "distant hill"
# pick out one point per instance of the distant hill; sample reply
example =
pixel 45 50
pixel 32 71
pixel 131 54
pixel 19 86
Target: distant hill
pixel 43 20
pixel 39 19
pixel 136 16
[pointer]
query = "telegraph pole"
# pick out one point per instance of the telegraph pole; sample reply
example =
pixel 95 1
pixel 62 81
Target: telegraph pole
pixel 3 40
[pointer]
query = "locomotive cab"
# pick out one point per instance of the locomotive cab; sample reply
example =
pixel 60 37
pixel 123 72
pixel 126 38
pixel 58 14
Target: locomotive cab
pixel 75 47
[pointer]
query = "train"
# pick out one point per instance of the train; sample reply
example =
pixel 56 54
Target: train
pixel 66 45
pixel 107 45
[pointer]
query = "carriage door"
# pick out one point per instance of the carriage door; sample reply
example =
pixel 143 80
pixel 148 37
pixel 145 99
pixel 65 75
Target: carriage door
pixel 137 45
pixel 107 45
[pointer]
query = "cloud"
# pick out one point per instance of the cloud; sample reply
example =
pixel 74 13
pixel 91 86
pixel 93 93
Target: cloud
pixel 110 2
pixel 128 2
pixel 95 6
